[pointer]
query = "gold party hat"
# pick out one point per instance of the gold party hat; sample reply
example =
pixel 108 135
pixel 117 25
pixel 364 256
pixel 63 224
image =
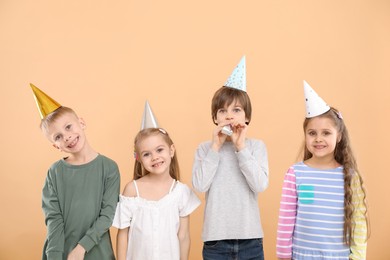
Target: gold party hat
pixel 45 104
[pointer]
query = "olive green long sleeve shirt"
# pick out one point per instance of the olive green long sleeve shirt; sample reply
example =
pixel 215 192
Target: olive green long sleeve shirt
pixel 79 203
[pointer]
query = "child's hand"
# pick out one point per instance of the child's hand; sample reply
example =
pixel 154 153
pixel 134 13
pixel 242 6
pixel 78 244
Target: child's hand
pixel 77 253
pixel 218 138
pixel 239 135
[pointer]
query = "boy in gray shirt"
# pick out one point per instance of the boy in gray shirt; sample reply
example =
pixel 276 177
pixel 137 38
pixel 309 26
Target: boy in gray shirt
pixel 232 170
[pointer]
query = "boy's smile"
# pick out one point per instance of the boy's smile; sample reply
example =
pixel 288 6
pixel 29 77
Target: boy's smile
pixel 73 144
pixel 67 133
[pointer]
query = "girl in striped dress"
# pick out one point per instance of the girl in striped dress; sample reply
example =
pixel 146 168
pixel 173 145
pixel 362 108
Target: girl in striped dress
pixel 323 213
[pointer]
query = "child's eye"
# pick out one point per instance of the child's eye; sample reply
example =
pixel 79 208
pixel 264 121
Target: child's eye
pixel 327 133
pixel 68 127
pixel 311 133
pixel 221 110
pixel 145 154
pixel 237 110
pixel 159 150
pixel 57 137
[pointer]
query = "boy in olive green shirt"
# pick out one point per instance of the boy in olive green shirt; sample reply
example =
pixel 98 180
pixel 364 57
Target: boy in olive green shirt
pixel 81 190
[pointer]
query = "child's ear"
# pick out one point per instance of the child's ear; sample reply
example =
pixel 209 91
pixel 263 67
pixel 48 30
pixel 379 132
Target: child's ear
pixel 55 146
pixel 339 138
pixel 136 157
pixel 172 150
pixel 82 123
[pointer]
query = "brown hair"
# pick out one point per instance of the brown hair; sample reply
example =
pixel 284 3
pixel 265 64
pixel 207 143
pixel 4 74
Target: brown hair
pixel 225 96
pixel 53 116
pixel 139 170
pixel 343 155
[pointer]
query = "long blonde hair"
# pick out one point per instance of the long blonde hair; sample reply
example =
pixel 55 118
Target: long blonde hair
pixel 343 155
pixel 139 170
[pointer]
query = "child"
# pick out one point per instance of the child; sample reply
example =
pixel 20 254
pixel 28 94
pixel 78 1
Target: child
pixel 232 170
pixel 153 213
pixel 81 190
pixel 323 214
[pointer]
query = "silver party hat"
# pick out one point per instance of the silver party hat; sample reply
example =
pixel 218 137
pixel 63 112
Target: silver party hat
pixel 148 118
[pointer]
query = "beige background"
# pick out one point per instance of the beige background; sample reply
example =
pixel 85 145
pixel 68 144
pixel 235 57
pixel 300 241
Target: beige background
pixel 105 58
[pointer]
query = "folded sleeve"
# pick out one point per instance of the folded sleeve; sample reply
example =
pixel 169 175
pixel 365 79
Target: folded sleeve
pixel 124 212
pixel 189 202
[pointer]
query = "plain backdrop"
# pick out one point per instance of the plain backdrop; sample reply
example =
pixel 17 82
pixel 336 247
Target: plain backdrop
pixel 105 58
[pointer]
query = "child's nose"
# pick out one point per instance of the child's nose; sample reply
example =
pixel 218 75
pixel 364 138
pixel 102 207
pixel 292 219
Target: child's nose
pixel 229 115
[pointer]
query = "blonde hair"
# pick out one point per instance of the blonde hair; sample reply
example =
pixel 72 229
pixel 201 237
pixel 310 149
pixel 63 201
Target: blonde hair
pixel 343 155
pixel 53 116
pixel 139 170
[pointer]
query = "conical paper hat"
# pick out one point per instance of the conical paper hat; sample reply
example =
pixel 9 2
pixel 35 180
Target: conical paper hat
pixel 315 105
pixel 237 79
pixel 148 118
pixel 45 104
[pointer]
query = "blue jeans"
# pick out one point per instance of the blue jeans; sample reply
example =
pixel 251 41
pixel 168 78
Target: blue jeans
pixel 235 249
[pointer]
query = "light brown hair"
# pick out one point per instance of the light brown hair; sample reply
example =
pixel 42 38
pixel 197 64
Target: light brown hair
pixel 226 96
pixel 53 116
pixel 139 170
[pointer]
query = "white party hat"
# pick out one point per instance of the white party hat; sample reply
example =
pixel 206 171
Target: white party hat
pixel 148 118
pixel 315 105
pixel 237 79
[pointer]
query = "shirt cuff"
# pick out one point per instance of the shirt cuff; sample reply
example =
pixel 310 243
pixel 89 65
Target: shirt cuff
pixel 243 154
pixel 54 255
pixel 87 243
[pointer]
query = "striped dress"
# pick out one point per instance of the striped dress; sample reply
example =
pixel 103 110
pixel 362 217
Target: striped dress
pixel 311 216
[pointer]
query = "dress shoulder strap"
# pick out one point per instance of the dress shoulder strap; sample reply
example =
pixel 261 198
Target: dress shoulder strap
pixel 136 188
pixel 172 186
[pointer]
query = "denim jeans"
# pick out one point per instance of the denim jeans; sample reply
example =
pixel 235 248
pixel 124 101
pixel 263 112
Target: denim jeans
pixel 235 249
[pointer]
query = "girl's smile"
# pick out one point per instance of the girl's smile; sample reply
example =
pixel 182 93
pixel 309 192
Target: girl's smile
pixel 155 154
pixel 156 165
pixel 321 137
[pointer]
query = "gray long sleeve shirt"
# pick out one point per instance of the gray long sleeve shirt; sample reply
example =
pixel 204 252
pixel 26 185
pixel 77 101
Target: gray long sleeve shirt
pixel 232 181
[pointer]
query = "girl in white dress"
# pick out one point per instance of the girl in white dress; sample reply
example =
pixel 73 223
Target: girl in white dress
pixel 153 213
